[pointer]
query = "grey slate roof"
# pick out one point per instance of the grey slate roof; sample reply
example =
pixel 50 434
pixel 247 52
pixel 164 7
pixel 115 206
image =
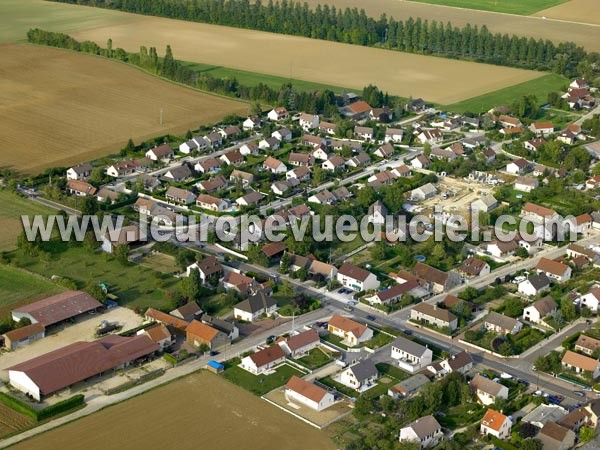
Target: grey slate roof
pixel 364 370
pixel 409 346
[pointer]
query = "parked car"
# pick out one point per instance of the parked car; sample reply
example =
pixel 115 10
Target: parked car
pixel 407 332
pixel 579 393
pixel 371 317
pixel 348 308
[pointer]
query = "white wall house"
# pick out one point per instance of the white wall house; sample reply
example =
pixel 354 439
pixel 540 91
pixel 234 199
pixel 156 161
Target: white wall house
pixel 308 394
pixel 426 431
pixel 357 279
pixel 411 356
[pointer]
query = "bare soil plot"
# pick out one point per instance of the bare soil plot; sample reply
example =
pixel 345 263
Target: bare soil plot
pixel 11 421
pixel 201 410
pixel 59 107
pixel 536 27
pixel 437 79
pixel 583 11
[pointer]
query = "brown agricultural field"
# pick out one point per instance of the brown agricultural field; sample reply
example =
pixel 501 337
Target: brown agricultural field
pixel 587 35
pixel 583 11
pixel 11 421
pixel 436 79
pixel 198 411
pixel 59 107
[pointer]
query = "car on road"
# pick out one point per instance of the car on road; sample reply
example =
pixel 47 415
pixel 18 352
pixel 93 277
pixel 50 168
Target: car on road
pixel 407 332
pixel 352 303
pixel 348 308
pixel 271 339
pixel 579 393
pixel 371 317
pixel 341 291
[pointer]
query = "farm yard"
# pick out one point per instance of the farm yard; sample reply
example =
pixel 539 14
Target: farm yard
pixel 189 409
pixel 107 103
pixel 583 11
pixel 333 63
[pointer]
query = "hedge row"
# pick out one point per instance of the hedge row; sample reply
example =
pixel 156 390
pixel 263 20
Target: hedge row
pixel 41 414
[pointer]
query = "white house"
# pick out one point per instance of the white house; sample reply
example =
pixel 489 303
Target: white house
pixel 433 315
pixel 377 213
pixel 496 424
pixel 254 307
pixel 426 431
pixel 591 299
pixel 274 165
pixel 352 332
pixel 394 135
pixel 308 394
pixel 251 123
pixel 299 344
pixel 534 285
pixel 277 114
pixel 526 184
pixel 420 162
pixel 540 309
pixel 517 167
pixel 554 270
pixel 282 134
pixel 249 148
pixel 356 278
pixel 499 323
pixel 360 376
pixel 161 152
pixel 423 193
pixel 309 121
pixel 411 356
pixel 263 360
pixel 431 137
pixel 79 172
pixel 542 128
pixel 581 363
pixel 488 391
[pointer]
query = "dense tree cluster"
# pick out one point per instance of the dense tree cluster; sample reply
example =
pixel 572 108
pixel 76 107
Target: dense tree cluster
pixel 353 26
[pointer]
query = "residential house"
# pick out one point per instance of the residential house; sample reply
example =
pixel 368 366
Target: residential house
pixel 496 424
pixel 410 356
pixel 357 110
pixel 365 133
pixel 209 165
pixel 211 203
pixel 534 285
pixel 214 139
pixel 308 121
pixel 384 114
pixel 244 178
pixel 274 250
pixel 149 182
pixel 339 144
pixel 107 196
pixel 128 235
pixel 212 185
pixel 301 173
pixel 121 168
pixel 474 267
pixel 178 173
pixel 461 362
pixel 301 159
pixel 199 334
pixel 179 196
pixel 509 122
pixel 542 128
pixel 80 188
pixel 385 151
pixel 586 344
pixel 377 213
pixel 321 153
pixel 420 162
pixel 538 310
pixel 353 333
pixel 281 187
pixel 327 128
pixel 226 326
pixel 556 437
pixel 488 391
pixel 233 158
pixel 159 334
pixel 250 199
pixel 499 323
pixel 79 172
pixel 591 299
pixel 360 160
pixel 230 132
pixel 308 394
pixel 526 184
pixel 320 269
pixel 423 192
pixel 409 386
pixel 323 197
pixel 544 414
pixel 300 344
pixel 517 166
pixel 162 152
pixel 431 137
pixel 581 364
pixel 434 279
pixel 485 203
pixel 209 268
pixel 334 163
pixel 360 376
pixel 195 144
pixel 254 307
pixel 501 249
pixel 433 315
pixel 251 123
pixel 188 312
pixel 534 144
pixel 154 315
pixel 402 171
pixel 283 134
pixel 270 143
pixel 426 431
pixel 356 278
pixel 278 114
pixel 554 270
pixel 250 148
pixel 442 153
pixel 263 360
pixel 393 294
pixel 394 135
pixel 274 165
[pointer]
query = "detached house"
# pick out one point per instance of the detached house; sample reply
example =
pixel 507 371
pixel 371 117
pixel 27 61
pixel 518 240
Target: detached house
pixel 263 360
pixel 308 121
pixel 496 424
pixel 553 269
pixel 211 203
pixel 555 436
pixel 540 309
pixel 245 178
pixel 233 158
pixel 365 133
pixel 586 344
pixel 360 376
pixel 410 356
pixel 534 285
pixel 209 268
pixel 301 159
pixel 434 279
pixel 327 128
pixel 488 391
pixel 591 300
pixel 79 172
pixel 300 344
pixel 250 148
pixel 334 163
pixel 474 267
pixel 274 165
pixel 161 152
pixel 426 431
pixel 356 278
pixel 179 196
pixel 210 165
pixel 499 323
pixel 308 394
pixel 353 333
pixel 179 173
pixel 80 188
pixel 199 334
pixel 431 137
pixel 254 307
pixel 277 114
pixel 542 128
pixel 394 293
pixel 420 162
pixel 526 184
pixel 433 315
pixel 251 123
pixel 283 134
pixel 394 135
pixel 581 364
pixel 518 166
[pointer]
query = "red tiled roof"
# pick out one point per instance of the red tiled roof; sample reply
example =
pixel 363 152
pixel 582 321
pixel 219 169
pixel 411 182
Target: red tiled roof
pixel 306 389
pixel 60 307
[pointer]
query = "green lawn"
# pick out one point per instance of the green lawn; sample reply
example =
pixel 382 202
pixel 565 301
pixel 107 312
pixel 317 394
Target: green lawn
pixel 12 206
pixel 315 358
pixel 258 384
pixel 540 87
pixel 521 7
pixel 461 415
pixel 253 78
pixel 136 286
pixel 18 287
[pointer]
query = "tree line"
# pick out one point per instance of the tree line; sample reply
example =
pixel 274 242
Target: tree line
pixel 322 101
pixel 353 26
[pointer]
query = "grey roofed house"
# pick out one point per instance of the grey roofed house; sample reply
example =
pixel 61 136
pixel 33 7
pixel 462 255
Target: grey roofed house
pixel 379 207
pixel 410 385
pixel 410 347
pixel 362 159
pixel 218 324
pixel 252 198
pixel 545 305
pixel 539 281
pixel 364 370
pixel 460 360
pixel 545 413
pixel 179 173
pixel 255 303
pixel 341 193
pixel 501 321
pixel 82 169
pixel 187 312
pixel 486 385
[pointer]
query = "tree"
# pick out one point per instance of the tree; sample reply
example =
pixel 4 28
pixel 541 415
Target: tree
pixel 363 406
pixel 567 308
pixel 90 206
pixel 89 241
pixel 190 285
pixel 531 444
pixel 30 248
pixel 97 292
pixel 586 434
pixel 366 196
pixel 285 263
pixel 122 254
pixel 188 134
pixel 521 252
pixel 527 430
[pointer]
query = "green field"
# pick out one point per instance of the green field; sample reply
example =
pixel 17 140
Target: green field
pixel 18 16
pixel 12 206
pixel 258 384
pixel 539 87
pixel 521 7
pixel 17 287
pixel 253 78
pixel 136 286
